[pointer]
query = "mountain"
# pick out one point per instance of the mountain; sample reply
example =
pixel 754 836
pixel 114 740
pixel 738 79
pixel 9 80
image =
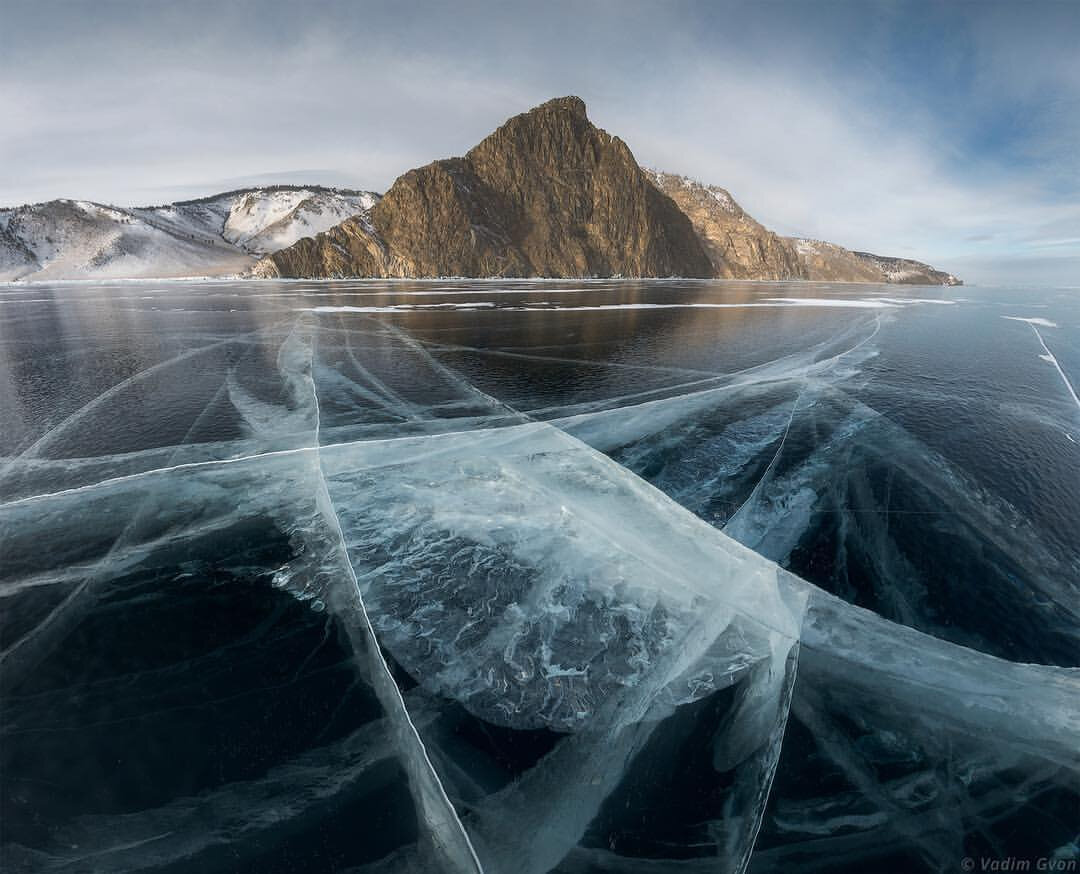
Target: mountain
pixel 219 235
pixel 741 248
pixel 548 194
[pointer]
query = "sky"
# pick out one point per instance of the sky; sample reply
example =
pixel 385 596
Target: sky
pixel 947 132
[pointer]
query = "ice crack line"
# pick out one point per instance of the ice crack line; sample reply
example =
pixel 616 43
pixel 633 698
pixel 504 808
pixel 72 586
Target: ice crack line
pixel 1050 357
pixel 448 831
pixel 34 450
pixel 772 463
pixel 537 416
pixel 32 647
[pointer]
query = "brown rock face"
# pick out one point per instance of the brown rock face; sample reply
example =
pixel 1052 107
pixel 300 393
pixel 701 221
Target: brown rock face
pixel 348 249
pixel 548 194
pixel 738 246
pixel 827 262
pixel 741 248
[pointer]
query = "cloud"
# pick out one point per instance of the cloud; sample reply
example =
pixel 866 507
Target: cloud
pixel 1020 270
pixel 914 129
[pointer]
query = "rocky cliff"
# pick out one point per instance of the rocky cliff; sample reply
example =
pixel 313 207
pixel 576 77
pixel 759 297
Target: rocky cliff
pixel 548 194
pixel 741 248
pixel 738 246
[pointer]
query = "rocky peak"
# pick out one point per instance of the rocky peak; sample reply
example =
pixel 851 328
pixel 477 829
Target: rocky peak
pixel 546 194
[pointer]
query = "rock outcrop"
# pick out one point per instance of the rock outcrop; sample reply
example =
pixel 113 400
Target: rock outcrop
pixel 738 246
pixel 548 194
pixel 16 258
pixel 904 271
pixel 827 262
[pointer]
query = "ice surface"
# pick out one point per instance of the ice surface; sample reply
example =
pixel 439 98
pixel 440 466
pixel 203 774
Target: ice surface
pixel 513 569
pixel 852 303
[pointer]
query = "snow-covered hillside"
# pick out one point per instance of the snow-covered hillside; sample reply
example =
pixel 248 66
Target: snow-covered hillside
pixel 264 221
pixel 214 236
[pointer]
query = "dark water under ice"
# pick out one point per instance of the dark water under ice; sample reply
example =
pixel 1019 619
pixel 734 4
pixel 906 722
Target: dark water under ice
pixel 311 577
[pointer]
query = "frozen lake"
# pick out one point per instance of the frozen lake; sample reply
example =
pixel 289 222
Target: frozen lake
pixel 537 576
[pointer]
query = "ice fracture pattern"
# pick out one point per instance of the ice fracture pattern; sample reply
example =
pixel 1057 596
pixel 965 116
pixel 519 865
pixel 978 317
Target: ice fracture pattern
pixel 665 617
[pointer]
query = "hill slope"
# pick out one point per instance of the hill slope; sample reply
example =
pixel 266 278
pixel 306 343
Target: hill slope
pixel 224 234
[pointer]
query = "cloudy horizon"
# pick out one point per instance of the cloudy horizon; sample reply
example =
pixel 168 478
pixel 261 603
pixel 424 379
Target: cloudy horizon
pixel 942 132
